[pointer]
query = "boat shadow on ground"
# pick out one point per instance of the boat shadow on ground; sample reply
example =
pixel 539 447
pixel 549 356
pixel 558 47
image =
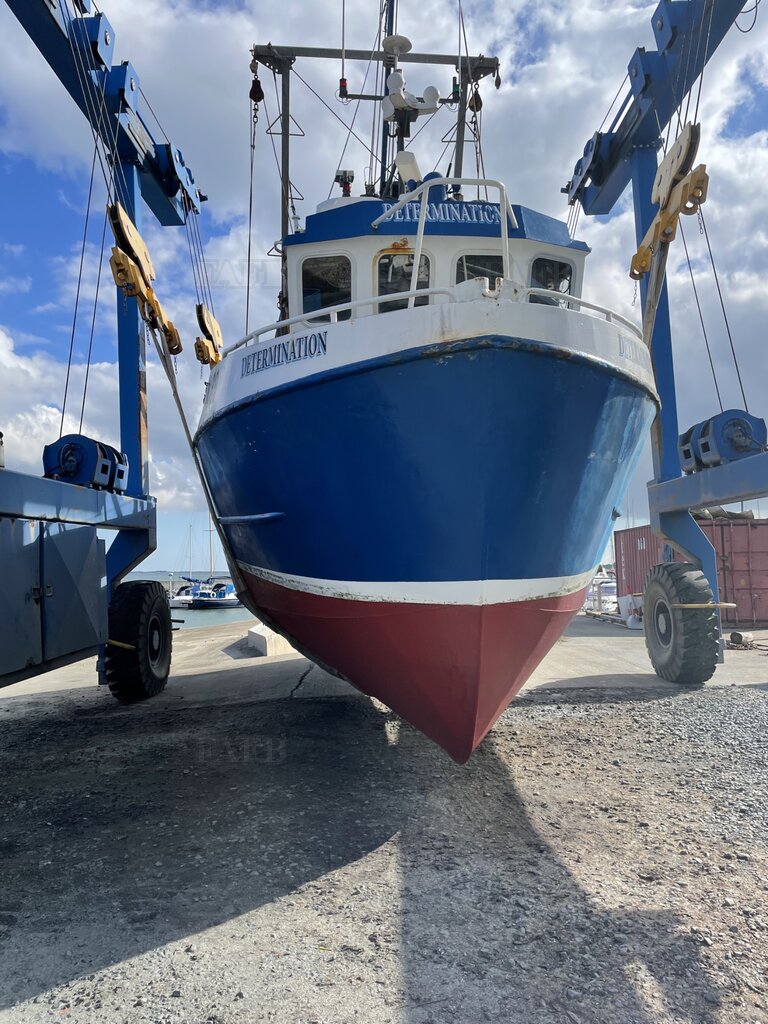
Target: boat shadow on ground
pixel 637 687
pixel 123 832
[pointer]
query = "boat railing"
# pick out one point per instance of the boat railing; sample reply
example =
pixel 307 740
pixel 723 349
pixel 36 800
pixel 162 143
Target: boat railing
pixel 421 192
pixel 330 314
pixel 575 302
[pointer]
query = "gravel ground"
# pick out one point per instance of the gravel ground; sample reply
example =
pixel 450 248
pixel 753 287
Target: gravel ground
pixel 602 858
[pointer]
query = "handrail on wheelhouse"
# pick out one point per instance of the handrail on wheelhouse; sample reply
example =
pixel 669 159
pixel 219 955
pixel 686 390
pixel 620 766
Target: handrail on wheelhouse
pixel 422 192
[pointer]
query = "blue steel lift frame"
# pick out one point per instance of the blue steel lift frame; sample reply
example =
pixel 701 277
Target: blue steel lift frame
pixel 147 169
pixel 658 82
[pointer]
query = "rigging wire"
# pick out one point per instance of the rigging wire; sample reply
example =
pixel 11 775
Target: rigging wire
pixel 701 319
pixel 93 323
pixel 254 112
pixel 285 189
pixel 332 111
pixel 77 292
pixel 410 141
pixel 357 108
pixel 613 103
pixel 203 265
pixel 701 76
pixel 191 253
pixel 97 112
pixel 344 39
pixel 722 307
pixel 154 115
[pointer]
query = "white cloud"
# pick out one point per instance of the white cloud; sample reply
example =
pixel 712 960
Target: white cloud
pixel 15 285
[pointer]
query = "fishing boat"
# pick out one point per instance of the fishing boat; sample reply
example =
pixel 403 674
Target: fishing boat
pixel 415 471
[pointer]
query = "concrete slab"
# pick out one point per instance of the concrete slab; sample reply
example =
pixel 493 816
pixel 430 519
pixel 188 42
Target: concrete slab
pixel 591 654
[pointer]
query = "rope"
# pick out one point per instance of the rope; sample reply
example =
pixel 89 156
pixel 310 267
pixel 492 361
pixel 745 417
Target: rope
pixel 701 319
pixel 722 307
pixel 77 293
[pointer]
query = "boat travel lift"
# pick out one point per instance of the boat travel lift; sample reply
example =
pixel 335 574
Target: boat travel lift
pixel 62 597
pixel 723 459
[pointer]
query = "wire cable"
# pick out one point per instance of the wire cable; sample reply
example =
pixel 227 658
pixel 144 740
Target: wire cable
pixel 77 293
pixel 701 319
pixel 332 111
pixel 722 307
pixel 93 323
pixel 254 121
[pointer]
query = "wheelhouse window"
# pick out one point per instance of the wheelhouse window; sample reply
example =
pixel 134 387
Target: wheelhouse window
pixel 394 275
pixel 554 276
pixel 326 281
pixel 469 267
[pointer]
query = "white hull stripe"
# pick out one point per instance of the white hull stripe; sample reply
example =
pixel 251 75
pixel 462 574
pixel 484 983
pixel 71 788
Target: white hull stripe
pixel 460 592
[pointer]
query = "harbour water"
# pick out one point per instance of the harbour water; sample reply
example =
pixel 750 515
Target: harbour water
pixel 193 618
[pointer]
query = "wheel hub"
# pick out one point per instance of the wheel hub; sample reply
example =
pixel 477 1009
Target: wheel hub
pixel 155 640
pixel 662 617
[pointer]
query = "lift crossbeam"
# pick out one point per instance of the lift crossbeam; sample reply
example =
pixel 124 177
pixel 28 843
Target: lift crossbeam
pixel 687 33
pixel 79 49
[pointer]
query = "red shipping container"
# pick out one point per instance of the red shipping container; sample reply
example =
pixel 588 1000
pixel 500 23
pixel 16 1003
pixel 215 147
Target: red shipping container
pixel 742 559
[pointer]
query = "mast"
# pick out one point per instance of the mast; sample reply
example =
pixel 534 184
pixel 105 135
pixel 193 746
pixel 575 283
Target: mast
pixel 395 51
pixel 389 30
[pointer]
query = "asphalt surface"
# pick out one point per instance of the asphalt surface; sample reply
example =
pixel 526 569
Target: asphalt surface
pixel 260 843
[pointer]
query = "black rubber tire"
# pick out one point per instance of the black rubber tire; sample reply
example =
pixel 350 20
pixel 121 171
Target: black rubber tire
pixel 683 643
pixel 139 615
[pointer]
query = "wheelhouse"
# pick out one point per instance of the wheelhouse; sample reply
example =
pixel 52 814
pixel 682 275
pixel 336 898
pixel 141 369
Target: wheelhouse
pixel 362 248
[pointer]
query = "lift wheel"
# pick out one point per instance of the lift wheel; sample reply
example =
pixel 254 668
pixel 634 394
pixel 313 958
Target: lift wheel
pixel 138 654
pixel 681 626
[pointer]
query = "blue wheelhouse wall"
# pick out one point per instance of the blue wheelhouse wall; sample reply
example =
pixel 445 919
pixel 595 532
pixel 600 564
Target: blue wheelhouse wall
pixel 489 459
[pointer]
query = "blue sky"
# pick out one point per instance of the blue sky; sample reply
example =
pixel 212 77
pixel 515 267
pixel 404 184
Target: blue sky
pixel 561 66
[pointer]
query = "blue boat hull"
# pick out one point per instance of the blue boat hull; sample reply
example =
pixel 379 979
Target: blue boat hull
pixel 397 483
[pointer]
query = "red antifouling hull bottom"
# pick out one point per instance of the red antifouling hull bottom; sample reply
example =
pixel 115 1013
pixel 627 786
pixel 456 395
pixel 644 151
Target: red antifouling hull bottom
pixel 448 670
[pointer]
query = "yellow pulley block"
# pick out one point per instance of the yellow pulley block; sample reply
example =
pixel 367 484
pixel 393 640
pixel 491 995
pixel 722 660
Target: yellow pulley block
pixel 128 277
pixel 206 352
pixel 154 315
pixel 209 325
pixel 171 337
pixel 130 241
pixel 126 274
pixel 685 198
